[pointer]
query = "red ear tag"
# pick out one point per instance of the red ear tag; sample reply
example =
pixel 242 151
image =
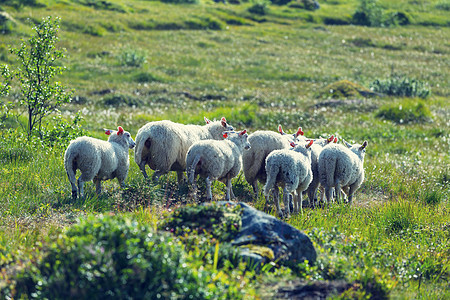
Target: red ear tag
pixel 243 132
pixel 300 132
pixel 107 131
pixel 292 144
pixel 206 120
pixel 310 144
pixel 330 139
pixel 225 135
pixel 280 129
pixel 335 139
pixel 224 120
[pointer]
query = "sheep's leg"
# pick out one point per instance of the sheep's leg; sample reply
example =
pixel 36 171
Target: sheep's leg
pixel 180 177
pixel 276 200
pixel 351 190
pixel 299 202
pixel 255 187
pixel 74 190
pixel 98 186
pixel 81 186
pixel 229 190
pixel 208 189
pixel 142 167
pixel 337 191
pixel 286 195
pixel 329 194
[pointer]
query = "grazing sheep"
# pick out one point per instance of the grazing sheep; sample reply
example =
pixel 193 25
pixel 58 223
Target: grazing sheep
pixel 342 168
pixel 262 143
pixel 217 160
pixel 98 160
pixel 290 169
pixel 163 144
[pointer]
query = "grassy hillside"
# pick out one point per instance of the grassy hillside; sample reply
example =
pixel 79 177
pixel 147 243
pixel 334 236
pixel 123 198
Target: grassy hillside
pixel 131 62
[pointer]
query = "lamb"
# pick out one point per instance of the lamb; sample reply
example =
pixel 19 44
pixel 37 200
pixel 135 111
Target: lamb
pixel 98 160
pixel 217 160
pixel 291 169
pixel 342 168
pixel 262 143
pixel 163 144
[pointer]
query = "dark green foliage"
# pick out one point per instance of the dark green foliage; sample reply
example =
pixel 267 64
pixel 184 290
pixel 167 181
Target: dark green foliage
pixel 260 7
pixel 6 78
pixel 443 5
pixel 336 21
pixel 6 23
pixel 221 221
pixel 181 1
pixel 113 257
pixel 432 197
pixel 397 18
pixel 117 100
pixel 398 85
pixel 343 89
pixel 407 111
pixel 18 151
pixel 19 3
pixel 201 23
pixel 369 13
pixel 145 77
pixel 61 132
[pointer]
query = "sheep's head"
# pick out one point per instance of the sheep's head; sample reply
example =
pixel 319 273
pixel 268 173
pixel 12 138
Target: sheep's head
pixel 240 138
pixel 216 128
pixel 244 136
pixel 120 136
pixel 359 150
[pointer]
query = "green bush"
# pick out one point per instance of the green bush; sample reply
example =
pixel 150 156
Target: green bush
pixel 62 132
pixel 145 77
pixel 407 111
pixel 369 13
pixel 260 7
pixel 118 258
pixel 397 85
pixel 132 58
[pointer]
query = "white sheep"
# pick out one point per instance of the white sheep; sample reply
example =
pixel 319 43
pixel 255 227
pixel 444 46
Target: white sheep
pixel 290 169
pixel 262 143
pixel 98 160
pixel 217 160
pixel 163 144
pixel 316 148
pixel 341 167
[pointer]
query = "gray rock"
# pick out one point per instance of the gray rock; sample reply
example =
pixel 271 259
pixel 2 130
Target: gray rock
pixel 289 245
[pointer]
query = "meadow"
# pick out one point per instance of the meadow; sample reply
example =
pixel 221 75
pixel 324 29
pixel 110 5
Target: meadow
pixel 132 62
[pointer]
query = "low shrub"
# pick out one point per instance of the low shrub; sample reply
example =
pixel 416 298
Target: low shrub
pixel 115 257
pixel 146 77
pixel 102 5
pixel 407 111
pixel 343 89
pixel 61 132
pixel 132 58
pixel 259 7
pixel 369 13
pixel 398 85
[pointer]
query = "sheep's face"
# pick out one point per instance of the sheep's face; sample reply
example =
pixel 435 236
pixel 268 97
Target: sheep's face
pixel 244 137
pixel 127 137
pixel 216 128
pixel 120 136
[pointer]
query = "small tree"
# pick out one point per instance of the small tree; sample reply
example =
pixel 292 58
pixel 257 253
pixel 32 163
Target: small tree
pixel 5 85
pixel 40 94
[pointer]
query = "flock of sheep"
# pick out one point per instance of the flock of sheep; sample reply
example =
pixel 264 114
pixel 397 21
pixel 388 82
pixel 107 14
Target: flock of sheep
pixel 216 152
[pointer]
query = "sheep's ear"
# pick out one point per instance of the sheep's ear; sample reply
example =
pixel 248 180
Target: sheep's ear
pixel 309 144
pixel 347 144
pixel 224 122
pixel 108 131
pixel 243 132
pixel 292 144
pixel 207 121
pixel 330 139
pixel 364 145
pixel 119 130
pixel 299 132
pixel 280 129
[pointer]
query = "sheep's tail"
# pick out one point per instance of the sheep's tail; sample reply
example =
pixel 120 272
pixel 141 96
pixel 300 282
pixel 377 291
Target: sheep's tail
pixel 140 143
pixel 69 157
pixel 191 168
pixel 272 173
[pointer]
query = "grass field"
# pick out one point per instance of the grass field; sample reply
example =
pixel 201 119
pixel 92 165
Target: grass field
pixel 131 62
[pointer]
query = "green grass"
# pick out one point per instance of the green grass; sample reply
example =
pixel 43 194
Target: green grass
pixel 214 60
